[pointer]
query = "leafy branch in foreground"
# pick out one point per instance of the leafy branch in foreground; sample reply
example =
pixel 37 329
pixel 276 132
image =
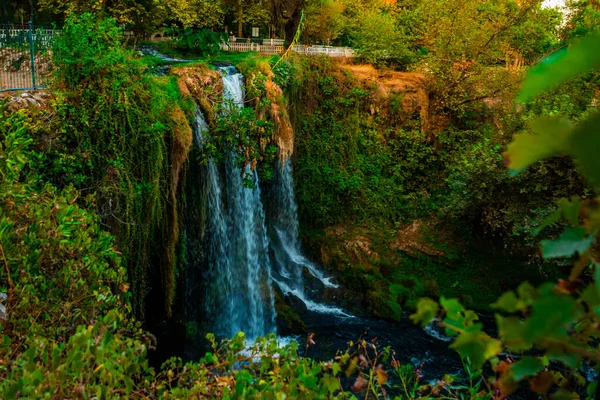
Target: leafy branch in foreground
pixel 545 334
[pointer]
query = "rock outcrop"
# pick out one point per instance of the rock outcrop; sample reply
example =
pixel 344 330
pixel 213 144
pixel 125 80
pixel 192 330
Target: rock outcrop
pixel 408 88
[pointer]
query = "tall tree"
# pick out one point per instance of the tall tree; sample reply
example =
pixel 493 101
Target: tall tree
pixel 191 13
pixel 468 43
pixel 124 11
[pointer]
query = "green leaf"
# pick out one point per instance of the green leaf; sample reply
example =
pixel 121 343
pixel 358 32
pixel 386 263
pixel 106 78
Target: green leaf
pixel 477 346
pixel 527 292
pixel 567 209
pixel 551 314
pixel 561 66
pixel 565 395
pixel 331 383
pixel 509 302
pixel 569 359
pixel 550 138
pixel 527 366
pixel 427 310
pixel 551 220
pixel 570 209
pixel 572 241
pixel 584 145
pixel 512 331
pixel 336 369
pixel 452 307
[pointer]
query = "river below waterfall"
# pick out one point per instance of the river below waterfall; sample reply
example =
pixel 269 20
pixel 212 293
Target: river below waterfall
pixel 410 343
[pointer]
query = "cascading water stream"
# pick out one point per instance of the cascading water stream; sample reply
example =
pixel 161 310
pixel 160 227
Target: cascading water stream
pixel 237 281
pixel 248 232
pixel 288 255
pixel 231 258
pixel 286 226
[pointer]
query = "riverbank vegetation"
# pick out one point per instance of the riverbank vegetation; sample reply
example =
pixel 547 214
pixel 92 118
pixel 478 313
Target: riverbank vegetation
pixel 453 166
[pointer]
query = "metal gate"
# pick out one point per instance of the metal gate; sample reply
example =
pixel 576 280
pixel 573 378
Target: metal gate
pixel 25 56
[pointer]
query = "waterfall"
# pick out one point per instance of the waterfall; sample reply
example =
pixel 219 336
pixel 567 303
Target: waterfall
pixel 238 295
pixel 288 256
pixel 230 255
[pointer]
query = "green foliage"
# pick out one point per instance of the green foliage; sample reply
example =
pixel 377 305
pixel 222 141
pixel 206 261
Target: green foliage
pixel 76 51
pixel 283 73
pixel 559 319
pixel 190 13
pixel 466 46
pixel 239 134
pixel 552 138
pixel 351 165
pixel 59 267
pixel 583 19
pixel 118 129
pixel 203 42
pixel 581 56
pixel 99 360
pixel 377 40
pixel 125 11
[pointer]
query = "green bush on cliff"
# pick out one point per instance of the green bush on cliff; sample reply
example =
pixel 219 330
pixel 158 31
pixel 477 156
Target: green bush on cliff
pixel 119 131
pixel 355 166
pixel 350 165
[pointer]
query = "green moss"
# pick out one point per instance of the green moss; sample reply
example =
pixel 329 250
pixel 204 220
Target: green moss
pixel 382 305
pixel 288 321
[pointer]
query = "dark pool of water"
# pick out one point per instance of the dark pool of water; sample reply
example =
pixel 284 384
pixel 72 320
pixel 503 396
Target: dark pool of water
pixel 410 343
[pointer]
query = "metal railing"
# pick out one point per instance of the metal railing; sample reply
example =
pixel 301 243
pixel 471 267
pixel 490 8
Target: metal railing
pixel 25 57
pixel 268 48
pixel 243 47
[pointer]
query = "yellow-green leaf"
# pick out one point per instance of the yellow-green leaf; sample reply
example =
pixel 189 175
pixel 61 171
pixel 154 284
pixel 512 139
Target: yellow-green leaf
pixel 550 137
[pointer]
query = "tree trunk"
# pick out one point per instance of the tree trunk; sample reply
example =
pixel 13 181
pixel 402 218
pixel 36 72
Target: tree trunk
pixel 32 14
pixel 240 15
pixel 5 10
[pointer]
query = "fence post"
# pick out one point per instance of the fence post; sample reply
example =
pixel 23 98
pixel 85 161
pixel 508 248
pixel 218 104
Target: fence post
pixel 32 54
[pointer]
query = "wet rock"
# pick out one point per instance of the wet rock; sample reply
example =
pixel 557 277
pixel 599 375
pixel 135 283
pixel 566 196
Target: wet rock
pixel 295 303
pixel 310 282
pixel 412 241
pixel 288 321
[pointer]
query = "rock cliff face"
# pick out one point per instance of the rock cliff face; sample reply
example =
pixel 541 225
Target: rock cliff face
pixel 406 89
pixel 284 133
pixel 204 85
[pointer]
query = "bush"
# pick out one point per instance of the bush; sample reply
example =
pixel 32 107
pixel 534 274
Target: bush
pixel 198 41
pixel 124 129
pixel 377 40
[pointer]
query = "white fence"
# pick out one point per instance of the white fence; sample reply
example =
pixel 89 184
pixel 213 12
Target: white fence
pixel 331 51
pixel 261 48
pixel 275 46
